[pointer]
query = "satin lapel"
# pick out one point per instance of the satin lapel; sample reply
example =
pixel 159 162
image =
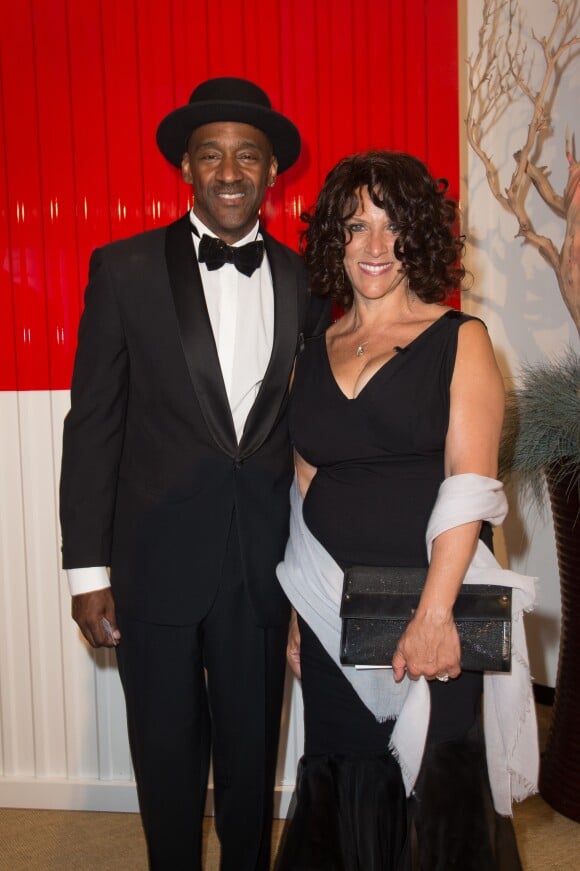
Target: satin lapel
pixel 197 336
pixel 274 387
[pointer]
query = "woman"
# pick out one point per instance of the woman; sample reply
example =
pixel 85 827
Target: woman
pixel 401 394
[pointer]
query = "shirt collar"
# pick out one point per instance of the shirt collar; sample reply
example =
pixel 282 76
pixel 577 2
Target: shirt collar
pixel 201 228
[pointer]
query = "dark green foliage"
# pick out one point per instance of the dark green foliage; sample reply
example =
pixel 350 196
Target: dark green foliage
pixel 542 423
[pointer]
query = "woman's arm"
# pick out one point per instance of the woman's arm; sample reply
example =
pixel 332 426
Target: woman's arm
pixel 430 644
pixel 293 645
pixel 305 472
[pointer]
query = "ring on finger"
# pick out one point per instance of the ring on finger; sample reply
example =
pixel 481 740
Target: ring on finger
pixel 443 677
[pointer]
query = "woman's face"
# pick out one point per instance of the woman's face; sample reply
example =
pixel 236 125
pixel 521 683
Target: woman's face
pixel 369 257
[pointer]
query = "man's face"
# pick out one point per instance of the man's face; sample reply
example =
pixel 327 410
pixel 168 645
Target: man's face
pixel 229 165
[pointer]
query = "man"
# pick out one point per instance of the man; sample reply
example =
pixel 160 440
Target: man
pixel 176 473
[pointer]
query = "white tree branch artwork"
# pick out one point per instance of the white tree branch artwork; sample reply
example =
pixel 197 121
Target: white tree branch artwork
pixel 500 73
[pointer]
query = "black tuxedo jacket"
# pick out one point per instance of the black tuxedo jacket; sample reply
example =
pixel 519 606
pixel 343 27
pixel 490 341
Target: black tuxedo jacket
pixel 152 473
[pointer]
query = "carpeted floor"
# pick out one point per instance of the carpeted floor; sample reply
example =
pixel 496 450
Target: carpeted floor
pixel 37 840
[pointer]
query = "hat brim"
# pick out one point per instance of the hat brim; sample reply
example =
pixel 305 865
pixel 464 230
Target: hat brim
pixel 175 129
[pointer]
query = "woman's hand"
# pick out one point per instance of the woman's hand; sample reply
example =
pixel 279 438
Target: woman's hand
pixel 293 646
pixel 429 646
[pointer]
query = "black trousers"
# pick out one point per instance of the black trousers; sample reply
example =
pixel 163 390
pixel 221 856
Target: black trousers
pixel 217 684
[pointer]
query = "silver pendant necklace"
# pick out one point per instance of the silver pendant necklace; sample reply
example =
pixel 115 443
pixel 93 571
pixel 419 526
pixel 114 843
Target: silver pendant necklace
pixel 360 348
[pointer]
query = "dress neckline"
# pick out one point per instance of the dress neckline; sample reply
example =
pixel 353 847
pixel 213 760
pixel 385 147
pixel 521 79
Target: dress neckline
pixel 386 364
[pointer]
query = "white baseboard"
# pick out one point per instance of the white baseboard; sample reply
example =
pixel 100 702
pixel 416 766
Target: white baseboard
pixel 73 795
pixel 116 796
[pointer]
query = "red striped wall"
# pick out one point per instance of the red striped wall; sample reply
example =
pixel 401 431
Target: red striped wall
pixel 83 86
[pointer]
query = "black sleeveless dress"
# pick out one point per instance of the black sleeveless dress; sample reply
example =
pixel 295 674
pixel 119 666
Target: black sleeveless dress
pixel 380 461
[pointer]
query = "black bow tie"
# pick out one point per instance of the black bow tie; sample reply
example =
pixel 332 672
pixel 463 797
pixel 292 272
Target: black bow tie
pixel 214 253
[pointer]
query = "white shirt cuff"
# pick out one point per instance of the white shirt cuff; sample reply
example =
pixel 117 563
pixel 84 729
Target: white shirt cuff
pixel 87 580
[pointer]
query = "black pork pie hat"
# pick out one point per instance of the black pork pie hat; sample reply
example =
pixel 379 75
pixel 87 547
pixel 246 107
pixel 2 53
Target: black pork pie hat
pixel 228 99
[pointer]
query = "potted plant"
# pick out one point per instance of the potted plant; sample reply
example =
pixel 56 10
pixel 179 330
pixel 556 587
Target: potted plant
pixel 541 440
pixel 542 428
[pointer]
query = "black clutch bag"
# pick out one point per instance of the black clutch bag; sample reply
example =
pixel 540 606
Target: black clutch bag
pixel 377 603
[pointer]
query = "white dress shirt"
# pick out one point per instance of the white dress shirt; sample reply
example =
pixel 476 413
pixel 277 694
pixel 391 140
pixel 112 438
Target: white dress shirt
pixel 241 313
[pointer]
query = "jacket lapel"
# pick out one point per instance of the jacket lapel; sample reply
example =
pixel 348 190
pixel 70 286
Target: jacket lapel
pixel 197 336
pixel 273 390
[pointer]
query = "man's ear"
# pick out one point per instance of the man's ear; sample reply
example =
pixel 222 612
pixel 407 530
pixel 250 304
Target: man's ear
pixel 272 172
pixel 186 169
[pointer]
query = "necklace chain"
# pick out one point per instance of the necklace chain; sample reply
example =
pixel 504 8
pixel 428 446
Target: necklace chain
pixel 360 348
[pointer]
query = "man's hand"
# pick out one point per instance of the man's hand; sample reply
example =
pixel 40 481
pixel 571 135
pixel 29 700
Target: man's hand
pixel 293 647
pixel 95 614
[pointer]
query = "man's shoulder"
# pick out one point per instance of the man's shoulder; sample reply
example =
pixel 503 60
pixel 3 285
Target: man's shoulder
pixel 286 262
pixel 139 243
pixel 280 248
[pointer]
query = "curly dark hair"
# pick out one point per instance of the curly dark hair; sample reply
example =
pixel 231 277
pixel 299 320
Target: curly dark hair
pixel 414 201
